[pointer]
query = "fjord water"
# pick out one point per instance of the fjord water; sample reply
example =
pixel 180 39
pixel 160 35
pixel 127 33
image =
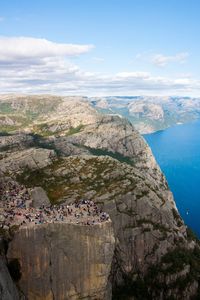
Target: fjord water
pixel 177 151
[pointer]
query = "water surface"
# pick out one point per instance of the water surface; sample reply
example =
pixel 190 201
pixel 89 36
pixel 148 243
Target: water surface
pixel 177 151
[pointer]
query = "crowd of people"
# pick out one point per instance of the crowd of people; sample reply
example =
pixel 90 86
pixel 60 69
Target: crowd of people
pixel 16 209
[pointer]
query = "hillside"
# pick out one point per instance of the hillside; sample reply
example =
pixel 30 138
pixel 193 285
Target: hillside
pixel 74 154
pixel 149 114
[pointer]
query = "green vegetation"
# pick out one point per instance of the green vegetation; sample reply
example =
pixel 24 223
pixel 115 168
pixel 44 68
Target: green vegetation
pixel 38 177
pixel 172 263
pixel 43 130
pixel 3 133
pixel 74 130
pixel 103 152
pixel 26 111
pixel 7 128
pixel 6 108
pixel 32 115
pixel 191 236
pixel 91 176
pixel 155 284
pixel 177 259
pixel 53 185
pixel 18 121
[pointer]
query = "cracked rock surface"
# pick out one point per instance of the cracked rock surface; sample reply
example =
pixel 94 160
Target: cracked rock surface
pixel 64 261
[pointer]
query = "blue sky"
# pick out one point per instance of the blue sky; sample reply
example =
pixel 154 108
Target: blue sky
pixel 100 47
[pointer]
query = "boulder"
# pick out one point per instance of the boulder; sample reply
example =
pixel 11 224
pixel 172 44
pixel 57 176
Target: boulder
pixel 39 197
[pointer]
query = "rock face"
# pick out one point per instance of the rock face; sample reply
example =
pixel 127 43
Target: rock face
pixel 151 110
pixel 33 158
pixel 64 261
pixel 13 142
pixel 117 135
pixel 8 290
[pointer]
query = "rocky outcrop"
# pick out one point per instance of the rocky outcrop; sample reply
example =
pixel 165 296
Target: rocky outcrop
pixel 15 142
pixel 150 110
pixel 117 135
pixel 64 261
pixel 33 158
pixel 39 197
pixel 56 114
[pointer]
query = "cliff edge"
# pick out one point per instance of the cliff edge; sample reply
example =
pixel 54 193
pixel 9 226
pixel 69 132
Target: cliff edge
pixel 64 261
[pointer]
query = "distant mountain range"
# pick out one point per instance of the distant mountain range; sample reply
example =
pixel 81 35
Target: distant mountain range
pixel 149 114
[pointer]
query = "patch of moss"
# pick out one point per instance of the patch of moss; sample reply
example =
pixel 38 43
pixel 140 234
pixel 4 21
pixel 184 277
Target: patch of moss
pixel 4 133
pixel 74 130
pixel 116 155
pixel 42 130
pixel 53 185
pixel 58 185
pixel 8 128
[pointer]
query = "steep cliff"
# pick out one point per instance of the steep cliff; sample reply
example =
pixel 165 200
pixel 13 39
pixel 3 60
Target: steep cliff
pixel 64 261
pixel 146 222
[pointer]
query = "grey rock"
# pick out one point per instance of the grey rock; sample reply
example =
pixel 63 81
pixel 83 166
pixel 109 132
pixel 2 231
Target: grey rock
pixel 33 158
pixel 15 142
pixel 39 197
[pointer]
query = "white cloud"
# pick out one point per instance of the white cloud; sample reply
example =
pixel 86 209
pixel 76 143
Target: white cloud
pixel 61 77
pixel 29 65
pixel 136 75
pixel 161 60
pixel 12 48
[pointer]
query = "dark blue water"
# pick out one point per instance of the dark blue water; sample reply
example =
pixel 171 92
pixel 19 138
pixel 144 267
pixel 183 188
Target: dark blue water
pixel 177 151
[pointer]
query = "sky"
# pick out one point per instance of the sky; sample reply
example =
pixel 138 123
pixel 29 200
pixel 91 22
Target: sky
pixel 100 47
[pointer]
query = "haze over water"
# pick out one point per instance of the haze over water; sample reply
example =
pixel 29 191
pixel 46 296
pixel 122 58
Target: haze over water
pixel 177 151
